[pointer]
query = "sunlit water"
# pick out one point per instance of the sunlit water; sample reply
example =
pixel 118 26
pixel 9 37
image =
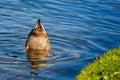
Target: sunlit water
pixel 78 30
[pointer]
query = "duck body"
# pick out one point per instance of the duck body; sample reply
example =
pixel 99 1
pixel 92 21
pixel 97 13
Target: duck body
pixel 38 40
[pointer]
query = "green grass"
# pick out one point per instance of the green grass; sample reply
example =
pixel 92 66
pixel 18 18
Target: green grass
pixel 105 68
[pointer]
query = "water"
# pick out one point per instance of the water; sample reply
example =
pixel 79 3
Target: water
pixel 79 30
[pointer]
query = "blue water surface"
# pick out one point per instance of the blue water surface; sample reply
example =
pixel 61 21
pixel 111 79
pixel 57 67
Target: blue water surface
pixel 78 30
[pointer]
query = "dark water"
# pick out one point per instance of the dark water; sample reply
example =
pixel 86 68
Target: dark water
pixel 79 30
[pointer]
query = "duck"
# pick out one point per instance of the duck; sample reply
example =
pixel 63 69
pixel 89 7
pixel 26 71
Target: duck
pixel 37 40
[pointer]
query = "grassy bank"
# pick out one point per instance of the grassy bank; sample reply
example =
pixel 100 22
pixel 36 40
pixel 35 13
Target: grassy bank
pixel 105 68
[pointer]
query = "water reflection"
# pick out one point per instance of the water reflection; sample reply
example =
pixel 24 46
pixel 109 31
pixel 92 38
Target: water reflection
pixel 37 59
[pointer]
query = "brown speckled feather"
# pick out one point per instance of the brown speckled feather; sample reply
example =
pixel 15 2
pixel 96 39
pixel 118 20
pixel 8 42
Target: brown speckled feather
pixel 38 39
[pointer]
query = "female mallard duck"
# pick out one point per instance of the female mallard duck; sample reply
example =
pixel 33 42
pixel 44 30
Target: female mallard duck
pixel 38 40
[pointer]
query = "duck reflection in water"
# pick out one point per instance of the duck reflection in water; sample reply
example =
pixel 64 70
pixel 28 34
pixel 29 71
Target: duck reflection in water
pixel 37 59
pixel 37 46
